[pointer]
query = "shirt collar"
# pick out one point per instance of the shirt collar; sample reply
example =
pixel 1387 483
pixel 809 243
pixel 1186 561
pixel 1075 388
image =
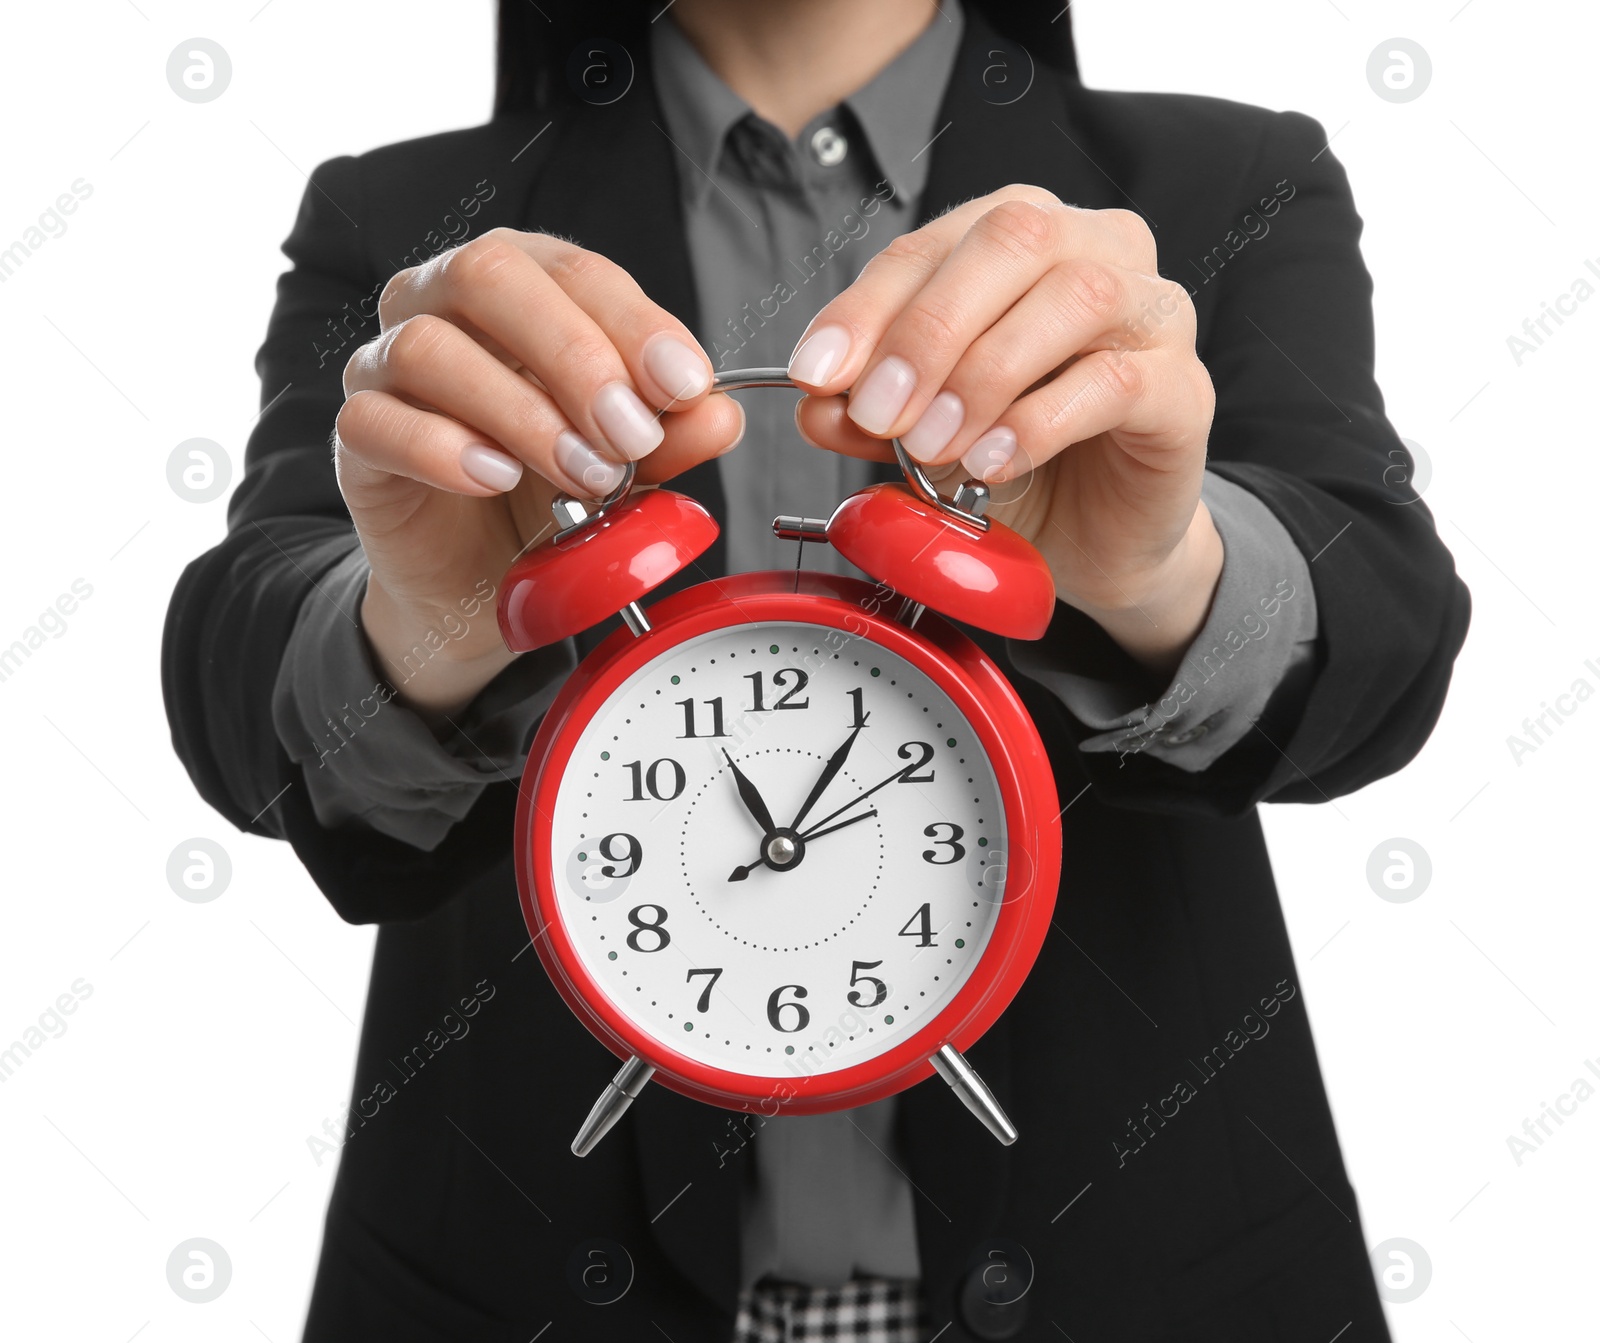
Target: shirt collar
pixel 896 109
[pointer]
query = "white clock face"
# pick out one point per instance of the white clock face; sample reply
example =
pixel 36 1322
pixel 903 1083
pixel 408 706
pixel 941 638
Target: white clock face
pixel 739 915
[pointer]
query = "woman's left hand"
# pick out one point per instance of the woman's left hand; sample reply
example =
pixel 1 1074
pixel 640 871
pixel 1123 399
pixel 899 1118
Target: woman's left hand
pixel 1032 345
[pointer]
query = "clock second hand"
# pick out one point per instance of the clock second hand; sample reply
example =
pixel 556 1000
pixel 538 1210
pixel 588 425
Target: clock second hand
pixel 839 811
pixel 740 873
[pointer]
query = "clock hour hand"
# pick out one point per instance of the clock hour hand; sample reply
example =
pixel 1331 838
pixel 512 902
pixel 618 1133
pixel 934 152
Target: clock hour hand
pixel 793 848
pixel 829 770
pixel 752 799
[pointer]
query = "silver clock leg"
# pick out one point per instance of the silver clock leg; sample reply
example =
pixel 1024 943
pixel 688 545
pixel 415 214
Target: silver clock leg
pixel 955 1070
pixel 613 1104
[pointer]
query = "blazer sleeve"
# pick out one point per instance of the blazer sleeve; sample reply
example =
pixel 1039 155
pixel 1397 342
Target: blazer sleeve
pixel 1287 335
pixel 234 608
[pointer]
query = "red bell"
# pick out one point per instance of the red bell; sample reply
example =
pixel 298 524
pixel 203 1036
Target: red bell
pixel 989 578
pixel 598 568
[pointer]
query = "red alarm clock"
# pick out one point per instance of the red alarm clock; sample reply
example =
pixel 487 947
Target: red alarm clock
pixel 786 842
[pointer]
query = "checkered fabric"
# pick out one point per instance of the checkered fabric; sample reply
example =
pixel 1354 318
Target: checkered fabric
pixel 867 1310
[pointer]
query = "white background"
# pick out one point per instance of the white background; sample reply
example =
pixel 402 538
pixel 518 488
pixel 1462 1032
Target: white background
pixel 219 1036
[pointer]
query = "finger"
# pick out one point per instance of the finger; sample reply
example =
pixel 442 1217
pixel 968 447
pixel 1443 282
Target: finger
pixel 1076 308
pixel 662 354
pixel 822 422
pixel 428 361
pixel 379 436
pixel 1028 231
pixel 495 286
pixel 997 262
pixel 710 428
pixel 1132 392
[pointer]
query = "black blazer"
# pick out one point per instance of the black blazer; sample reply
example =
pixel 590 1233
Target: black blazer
pixel 459 1211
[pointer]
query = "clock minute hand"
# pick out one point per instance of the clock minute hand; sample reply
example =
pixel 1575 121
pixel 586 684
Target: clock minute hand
pixel 752 799
pixel 829 771
pixel 839 811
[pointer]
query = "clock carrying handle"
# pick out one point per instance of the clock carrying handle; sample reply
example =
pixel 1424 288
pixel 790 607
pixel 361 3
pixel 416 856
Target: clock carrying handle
pixel 966 506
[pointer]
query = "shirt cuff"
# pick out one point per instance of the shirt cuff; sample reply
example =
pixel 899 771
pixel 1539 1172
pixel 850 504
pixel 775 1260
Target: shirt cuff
pixel 1260 636
pixel 365 757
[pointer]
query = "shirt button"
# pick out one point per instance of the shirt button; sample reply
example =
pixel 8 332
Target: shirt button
pixel 828 147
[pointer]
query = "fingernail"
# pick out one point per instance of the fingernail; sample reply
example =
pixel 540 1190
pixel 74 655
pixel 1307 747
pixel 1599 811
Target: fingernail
pixel 491 468
pixel 938 424
pixel 875 404
pixel 679 370
pixel 744 423
pixel 819 355
pixel 628 424
pixel 991 454
pixel 582 465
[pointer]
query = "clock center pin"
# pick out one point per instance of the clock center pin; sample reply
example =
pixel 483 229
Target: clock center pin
pixel 782 850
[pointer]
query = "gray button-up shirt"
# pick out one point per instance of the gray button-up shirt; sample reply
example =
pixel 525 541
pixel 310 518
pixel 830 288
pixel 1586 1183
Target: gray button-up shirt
pixel 776 228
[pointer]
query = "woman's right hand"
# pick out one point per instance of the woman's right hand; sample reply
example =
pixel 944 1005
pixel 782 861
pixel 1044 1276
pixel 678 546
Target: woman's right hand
pixel 513 368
